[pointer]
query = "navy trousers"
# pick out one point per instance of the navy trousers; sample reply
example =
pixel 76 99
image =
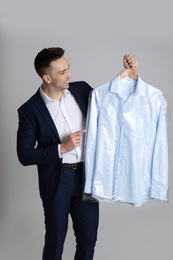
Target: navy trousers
pixel 68 201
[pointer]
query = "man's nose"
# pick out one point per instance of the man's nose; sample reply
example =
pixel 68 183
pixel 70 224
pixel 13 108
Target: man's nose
pixel 69 75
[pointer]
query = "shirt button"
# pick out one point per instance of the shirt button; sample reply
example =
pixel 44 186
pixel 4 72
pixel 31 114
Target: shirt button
pixel 120 161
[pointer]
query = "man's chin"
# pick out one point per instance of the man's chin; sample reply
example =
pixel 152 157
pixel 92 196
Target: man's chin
pixel 66 85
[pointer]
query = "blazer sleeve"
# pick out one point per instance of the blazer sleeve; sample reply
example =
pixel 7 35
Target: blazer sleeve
pixel 27 151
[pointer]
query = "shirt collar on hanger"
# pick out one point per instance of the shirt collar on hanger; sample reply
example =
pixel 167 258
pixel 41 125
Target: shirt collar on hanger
pixel 116 86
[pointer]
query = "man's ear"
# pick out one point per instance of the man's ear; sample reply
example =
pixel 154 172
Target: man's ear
pixel 47 78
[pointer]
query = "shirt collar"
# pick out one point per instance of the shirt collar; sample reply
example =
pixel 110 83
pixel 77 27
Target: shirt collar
pixel 116 86
pixel 48 100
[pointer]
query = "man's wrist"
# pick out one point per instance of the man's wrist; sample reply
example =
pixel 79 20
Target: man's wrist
pixel 62 149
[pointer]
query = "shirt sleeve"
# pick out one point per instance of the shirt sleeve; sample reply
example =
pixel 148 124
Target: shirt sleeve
pixel 90 142
pixel 60 156
pixel 159 184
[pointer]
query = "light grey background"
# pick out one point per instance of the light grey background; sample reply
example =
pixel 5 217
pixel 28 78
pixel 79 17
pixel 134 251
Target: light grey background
pixel 96 35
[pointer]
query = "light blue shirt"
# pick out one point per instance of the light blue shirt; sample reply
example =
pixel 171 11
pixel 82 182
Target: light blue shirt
pixel 126 158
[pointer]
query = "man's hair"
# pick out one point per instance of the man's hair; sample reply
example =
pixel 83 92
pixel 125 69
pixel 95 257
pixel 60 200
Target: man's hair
pixel 45 57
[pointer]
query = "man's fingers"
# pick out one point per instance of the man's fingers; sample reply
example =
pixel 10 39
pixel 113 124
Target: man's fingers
pixel 80 132
pixel 131 61
pixel 76 137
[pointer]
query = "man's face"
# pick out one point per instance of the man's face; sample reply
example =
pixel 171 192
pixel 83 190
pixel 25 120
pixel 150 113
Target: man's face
pixel 60 74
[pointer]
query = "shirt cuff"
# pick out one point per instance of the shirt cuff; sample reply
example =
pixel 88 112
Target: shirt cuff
pixel 87 188
pixel 60 156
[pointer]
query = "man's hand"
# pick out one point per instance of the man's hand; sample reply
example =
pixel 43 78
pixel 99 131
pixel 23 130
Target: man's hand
pixel 128 73
pixel 130 62
pixel 71 142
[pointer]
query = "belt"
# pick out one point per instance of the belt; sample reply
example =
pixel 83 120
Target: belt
pixel 73 166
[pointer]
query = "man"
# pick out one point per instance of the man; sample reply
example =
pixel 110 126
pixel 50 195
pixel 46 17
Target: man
pixel 54 118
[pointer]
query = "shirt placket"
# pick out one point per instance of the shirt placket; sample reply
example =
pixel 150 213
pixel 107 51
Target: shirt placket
pixel 120 157
pixel 68 121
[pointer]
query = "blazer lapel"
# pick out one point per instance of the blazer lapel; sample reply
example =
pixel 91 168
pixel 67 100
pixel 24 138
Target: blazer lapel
pixel 39 102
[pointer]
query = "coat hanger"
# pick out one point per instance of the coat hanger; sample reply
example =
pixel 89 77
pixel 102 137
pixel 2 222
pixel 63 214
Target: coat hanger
pixel 131 65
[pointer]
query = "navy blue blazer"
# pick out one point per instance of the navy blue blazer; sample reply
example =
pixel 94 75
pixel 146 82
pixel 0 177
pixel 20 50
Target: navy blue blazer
pixel 37 138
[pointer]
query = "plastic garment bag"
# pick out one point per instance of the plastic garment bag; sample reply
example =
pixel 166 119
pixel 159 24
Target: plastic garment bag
pixel 126 156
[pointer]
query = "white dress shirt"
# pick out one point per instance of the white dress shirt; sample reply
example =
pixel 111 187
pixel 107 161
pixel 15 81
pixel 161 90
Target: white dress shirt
pixel 68 119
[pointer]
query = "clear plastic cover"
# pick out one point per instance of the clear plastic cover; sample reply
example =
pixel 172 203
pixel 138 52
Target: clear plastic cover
pixel 126 152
